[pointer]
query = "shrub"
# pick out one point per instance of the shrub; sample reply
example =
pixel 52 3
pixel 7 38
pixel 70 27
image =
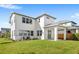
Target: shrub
pixel 76 36
pixel 35 38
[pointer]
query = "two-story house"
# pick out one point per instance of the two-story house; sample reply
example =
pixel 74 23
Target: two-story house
pixel 42 27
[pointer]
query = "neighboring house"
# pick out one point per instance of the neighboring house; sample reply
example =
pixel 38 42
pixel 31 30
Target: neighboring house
pixel 4 30
pixel 42 27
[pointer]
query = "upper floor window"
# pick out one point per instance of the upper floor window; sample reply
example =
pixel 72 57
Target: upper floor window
pixel 30 21
pixel 26 20
pixel 39 20
pixel 23 20
pixel 47 17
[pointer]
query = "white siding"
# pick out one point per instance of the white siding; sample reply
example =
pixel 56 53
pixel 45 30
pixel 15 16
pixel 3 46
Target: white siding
pixel 48 20
pixel 18 26
pixel 44 20
pixel 40 26
pixel 69 24
pixel 24 26
pixel 12 26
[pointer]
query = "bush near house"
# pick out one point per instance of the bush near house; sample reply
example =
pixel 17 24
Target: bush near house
pixel 76 36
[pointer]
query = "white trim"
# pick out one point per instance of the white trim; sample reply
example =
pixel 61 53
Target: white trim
pixel 77 30
pixel 65 34
pixel 55 33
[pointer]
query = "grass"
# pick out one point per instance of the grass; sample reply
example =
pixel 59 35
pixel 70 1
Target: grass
pixel 38 47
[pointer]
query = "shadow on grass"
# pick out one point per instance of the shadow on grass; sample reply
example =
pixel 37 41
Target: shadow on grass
pixel 5 42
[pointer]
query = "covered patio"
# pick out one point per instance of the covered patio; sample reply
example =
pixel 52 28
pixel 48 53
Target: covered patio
pixel 51 32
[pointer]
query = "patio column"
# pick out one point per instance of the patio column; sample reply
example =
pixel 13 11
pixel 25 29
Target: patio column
pixel 55 34
pixel 65 33
pixel 76 30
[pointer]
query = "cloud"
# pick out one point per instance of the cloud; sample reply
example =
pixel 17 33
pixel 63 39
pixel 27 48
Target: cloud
pixel 72 16
pixel 75 15
pixel 9 6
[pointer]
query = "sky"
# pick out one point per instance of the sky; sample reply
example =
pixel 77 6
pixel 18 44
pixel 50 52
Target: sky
pixel 60 11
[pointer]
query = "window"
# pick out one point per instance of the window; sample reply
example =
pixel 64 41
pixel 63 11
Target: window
pixel 28 20
pixel 49 31
pixel 28 33
pixel 47 17
pixel 39 20
pixel 32 33
pixel 20 34
pixel 23 20
pixel 25 34
pixel 39 33
pixel 49 34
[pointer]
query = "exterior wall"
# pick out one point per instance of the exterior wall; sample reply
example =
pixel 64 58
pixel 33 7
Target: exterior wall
pixel 23 26
pixel 42 21
pixel 48 20
pixel 46 33
pixel 37 27
pixel 12 26
pixel 77 30
pixel 18 26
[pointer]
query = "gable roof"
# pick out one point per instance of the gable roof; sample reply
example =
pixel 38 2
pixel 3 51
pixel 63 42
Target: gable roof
pixel 58 23
pixel 29 16
pixel 65 21
pixel 20 15
pixel 45 15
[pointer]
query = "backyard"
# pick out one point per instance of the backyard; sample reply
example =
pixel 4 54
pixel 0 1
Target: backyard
pixel 8 46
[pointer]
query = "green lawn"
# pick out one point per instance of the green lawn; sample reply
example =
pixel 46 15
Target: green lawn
pixel 38 47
